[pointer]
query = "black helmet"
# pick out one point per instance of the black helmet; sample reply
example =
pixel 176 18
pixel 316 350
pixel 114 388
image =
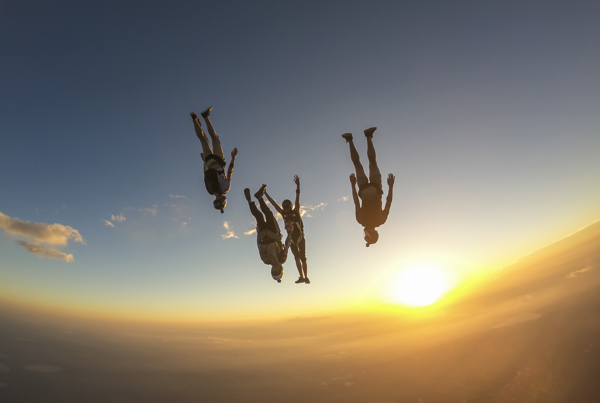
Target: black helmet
pixel 220 202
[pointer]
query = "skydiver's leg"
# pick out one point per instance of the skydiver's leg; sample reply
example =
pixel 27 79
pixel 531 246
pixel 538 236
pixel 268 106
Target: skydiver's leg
pixel 374 174
pixel 271 222
pixel 216 142
pixel 361 176
pixel 296 253
pixel 260 221
pixel 299 267
pixel 302 254
pixel 202 137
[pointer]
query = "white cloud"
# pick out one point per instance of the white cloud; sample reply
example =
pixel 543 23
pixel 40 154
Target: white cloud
pixel 109 224
pixel 56 234
pixel 229 233
pixel 343 198
pixel 42 252
pixel 252 231
pixel 308 209
pixel 118 218
pixel 177 196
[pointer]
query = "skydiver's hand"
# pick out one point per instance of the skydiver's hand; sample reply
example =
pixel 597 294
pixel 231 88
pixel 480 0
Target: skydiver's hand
pixel 353 179
pixel 234 153
pixel 390 180
pixel 296 180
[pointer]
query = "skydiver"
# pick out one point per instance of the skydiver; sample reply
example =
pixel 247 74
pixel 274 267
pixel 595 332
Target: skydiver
pixel 370 189
pixel 268 235
pixel 215 180
pixel 295 228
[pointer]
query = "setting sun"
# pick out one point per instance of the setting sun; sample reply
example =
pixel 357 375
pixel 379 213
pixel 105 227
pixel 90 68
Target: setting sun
pixel 420 284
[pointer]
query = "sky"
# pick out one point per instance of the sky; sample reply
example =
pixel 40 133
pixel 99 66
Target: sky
pixel 487 115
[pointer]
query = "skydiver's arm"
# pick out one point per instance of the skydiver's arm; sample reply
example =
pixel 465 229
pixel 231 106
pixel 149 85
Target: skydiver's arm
pixel 274 203
pixel 230 169
pixel 297 182
pixel 284 251
pixel 388 200
pixel 354 194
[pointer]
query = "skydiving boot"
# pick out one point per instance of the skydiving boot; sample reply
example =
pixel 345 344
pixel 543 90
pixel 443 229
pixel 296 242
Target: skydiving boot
pixel 193 115
pixel 205 113
pixel 347 137
pixel 247 194
pixel 369 131
pixel 260 192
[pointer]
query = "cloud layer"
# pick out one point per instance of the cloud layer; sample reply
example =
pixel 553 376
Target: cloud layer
pixel 55 234
pixel 42 252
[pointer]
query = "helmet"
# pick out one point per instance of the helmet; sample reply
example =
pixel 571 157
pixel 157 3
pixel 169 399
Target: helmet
pixel 371 236
pixel 277 272
pixel 220 202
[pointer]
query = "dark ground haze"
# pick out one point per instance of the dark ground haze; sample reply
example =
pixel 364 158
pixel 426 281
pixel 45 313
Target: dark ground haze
pixel 529 333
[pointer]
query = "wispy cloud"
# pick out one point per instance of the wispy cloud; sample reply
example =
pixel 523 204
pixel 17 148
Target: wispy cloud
pixel 55 234
pixel 115 218
pixel 118 218
pixel 229 233
pixel 177 196
pixel 43 252
pixel 578 272
pixel 308 209
pixel 252 231
pixel 343 198
pixel 150 210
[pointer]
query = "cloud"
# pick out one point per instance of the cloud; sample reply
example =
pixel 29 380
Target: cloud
pixel 252 231
pixel 343 198
pixel 42 252
pixel 177 196
pixel 577 272
pixel 150 210
pixel 229 233
pixel 109 224
pixel 308 209
pixel 55 234
pixel 118 218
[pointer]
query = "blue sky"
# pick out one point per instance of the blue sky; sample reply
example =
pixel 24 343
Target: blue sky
pixel 487 115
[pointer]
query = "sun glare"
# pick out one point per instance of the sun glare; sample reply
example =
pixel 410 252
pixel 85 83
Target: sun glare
pixel 420 284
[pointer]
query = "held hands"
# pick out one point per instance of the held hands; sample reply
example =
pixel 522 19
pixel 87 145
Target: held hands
pixel 353 179
pixel 234 153
pixel 390 180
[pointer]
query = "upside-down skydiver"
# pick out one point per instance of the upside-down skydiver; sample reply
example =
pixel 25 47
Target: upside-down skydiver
pixel 268 235
pixel 216 181
pixel 295 228
pixel 370 189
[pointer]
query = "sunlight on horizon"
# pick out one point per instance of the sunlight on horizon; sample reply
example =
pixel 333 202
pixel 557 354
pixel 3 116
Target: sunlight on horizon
pixel 420 284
